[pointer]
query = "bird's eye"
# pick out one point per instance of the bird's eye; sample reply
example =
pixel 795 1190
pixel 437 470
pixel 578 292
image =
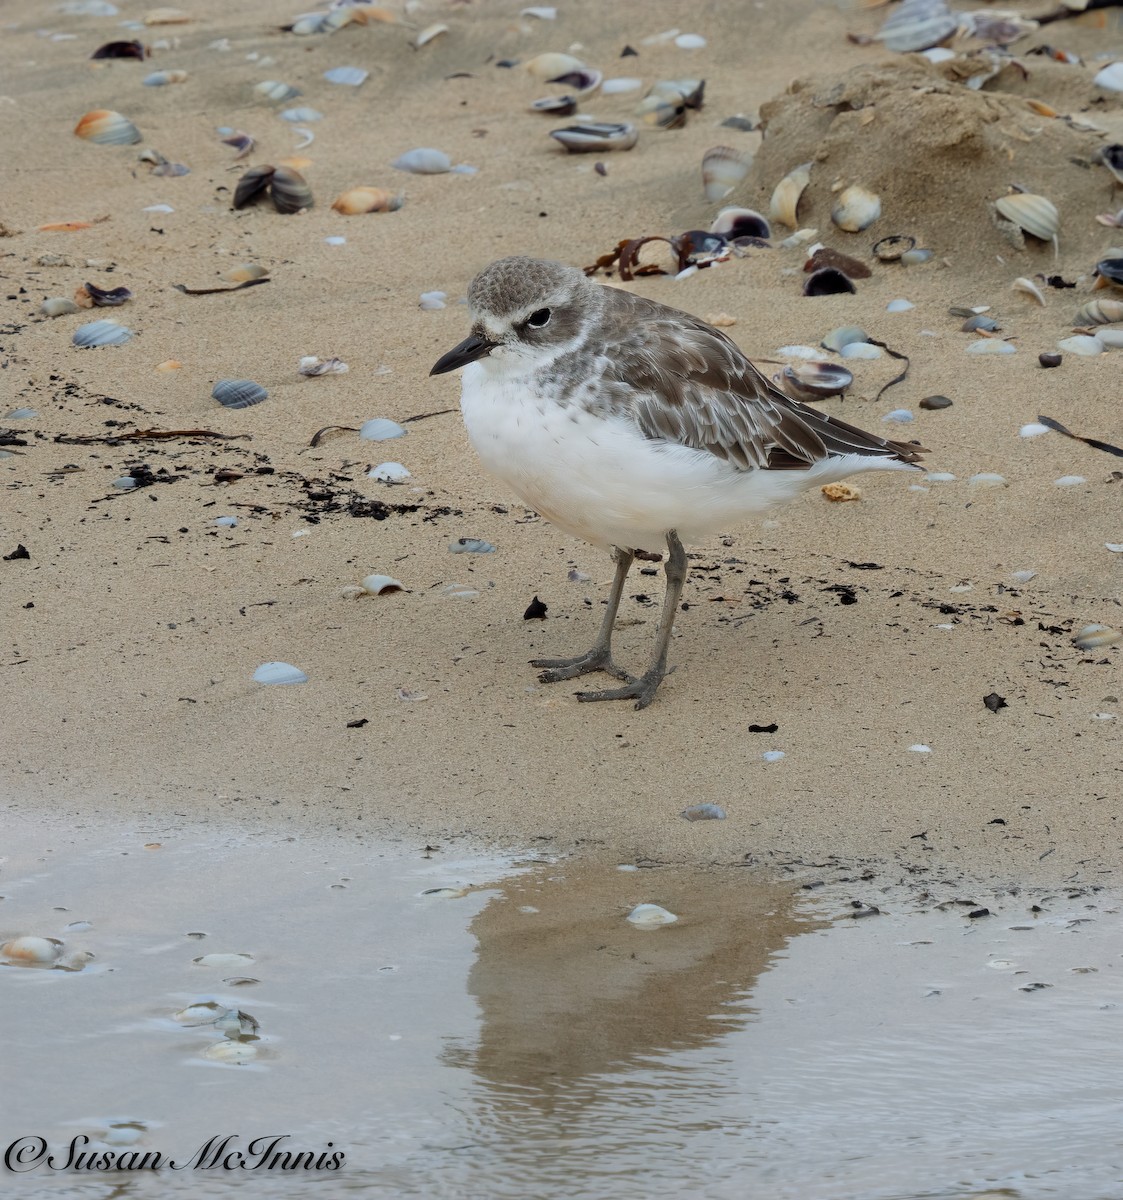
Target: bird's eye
pixel 538 318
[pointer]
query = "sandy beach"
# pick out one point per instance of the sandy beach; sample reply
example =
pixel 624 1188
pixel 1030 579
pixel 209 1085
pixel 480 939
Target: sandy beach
pixel 860 631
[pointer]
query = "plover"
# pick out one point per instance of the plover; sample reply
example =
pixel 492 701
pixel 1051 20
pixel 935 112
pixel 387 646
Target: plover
pixel 635 427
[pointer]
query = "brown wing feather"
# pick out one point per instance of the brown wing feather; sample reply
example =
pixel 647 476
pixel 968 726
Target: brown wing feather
pixel 693 386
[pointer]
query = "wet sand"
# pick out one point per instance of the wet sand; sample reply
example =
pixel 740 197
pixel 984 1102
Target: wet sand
pixel 859 629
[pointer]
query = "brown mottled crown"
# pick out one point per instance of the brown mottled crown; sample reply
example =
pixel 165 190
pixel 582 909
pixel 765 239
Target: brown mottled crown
pixel 513 285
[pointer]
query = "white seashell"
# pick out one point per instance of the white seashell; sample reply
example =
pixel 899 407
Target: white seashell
pixel 1110 78
pixel 690 41
pixel 275 91
pixel 1033 429
pixel 900 416
pixel 300 116
pixel 938 54
pixel 1111 339
pixel 784 204
pixel 21 414
pixel 1099 312
pixel 428 34
pixel 311 366
pixel 1115 547
pixel 918 25
pixel 159 208
pixel 723 168
pixel 58 306
pixel 597 137
pixel 899 306
pixel 237 1024
pixel 203 1012
pixel 32 950
pixel 275 672
pixel 467 545
pixel 1035 214
pixel 856 209
pixel 1069 481
pixel 649 916
pixel 335 240
pixel 913 258
pixel 459 591
pixel 238 393
pixel 423 161
pixel 380 430
pixel 620 85
pixel 431 301
pixel 1081 344
pixel 1029 288
pixel 226 522
pixel 940 477
pixel 389 472
pixel 104 127
pixel 347 76
pixel 233 1054
pixel 376 585
pixel 845 335
pixel 704 812
pixel 807 352
pixel 1092 637
pixel 740 222
pixel 987 479
pixel 550 66
pixel 921 748
pixel 125 483
pixel 991 346
pixel 866 350
pixel 772 755
pixel 101 333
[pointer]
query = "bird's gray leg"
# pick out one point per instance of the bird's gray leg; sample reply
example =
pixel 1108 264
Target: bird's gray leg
pixel 643 689
pixel 599 658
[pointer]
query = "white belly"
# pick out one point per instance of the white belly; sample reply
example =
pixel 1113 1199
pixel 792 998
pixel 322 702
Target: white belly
pixel 602 480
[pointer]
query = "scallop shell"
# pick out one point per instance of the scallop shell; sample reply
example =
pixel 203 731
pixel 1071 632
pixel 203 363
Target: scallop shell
pixel 238 393
pixel 785 196
pixel 814 380
pixel 856 209
pixel 31 950
pixel 1092 637
pixel 270 672
pixel 275 91
pixel 594 136
pixel 1034 214
pixel 555 106
pixel 376 585
pixel 1095 312
pixel 740 222
pixel 428 34
pixel 58 306
pixel 101 333
pixel 723 168
pixel 380 429
pixel 917 25
pixel 423 161
pixel 289 191
pixel 550 66
pixel 252 184
pixel 104 127
pixel 367 199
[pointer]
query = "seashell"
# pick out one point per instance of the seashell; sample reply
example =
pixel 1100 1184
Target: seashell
pixel 550 66
pixel 311 366
pixel 1099 312
pixel 233 1054
pixel 237 1024
pixel 1109 270
pixel 104 127
pixel 913 258
pixel 890 249
pixel 1069 481
pixel 1028 288
pixel 827 281
pixel 592 137
pixel 661 112
pixel 467 545
pixel 380 430
pixel 227 522
pixel 560 106
pixel 166 16
pixel 270 672
pixel 899 416
pixel 899 305
pixel 856 208
pixel 784 205
pixel 238 393
pixel 347 76
pixel 389 472
pixel 132 49
pixel 620 85
pixel 367 199
pixel 308 24
pixel 126 483
pixel 102 298
pixel 101 333
pixel 162 78
pixel 459 591
pixel 276 92
pixel 1112 158
pixel 298 116
pixel 861 350
pixel 1091 637
pixel 1081 344
pixel 584 81
pixel 1110 78
pixel 825 256
pixel 808 381
pixel 289 191
pixel 245 272
pixel 170 169
pixel 687 92
pixel 1034 214
pixel 991 346
pixel 252 184
pixel 1111 338
pixel 376 585
pixel 423 161
pixel 374 15
pixel 242 142
pixel 980 322
pixel 740 222
pixel 428 34
pixel 542 12
pixel 650 916
pixel 987 479
pixel 845 335
pixel 169 364
pixel 433 301
pixel 205 1012
pixel 690 41
pixel 58 306
pixel 917 25
pixel 21 414
pixel 723 168
pixel 32 951
pixel 704 812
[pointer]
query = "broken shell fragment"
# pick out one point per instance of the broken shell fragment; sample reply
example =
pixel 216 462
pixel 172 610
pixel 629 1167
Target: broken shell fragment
pixel 311 366
pixel 891 249
pixel 809 381
pixel 856 209
pixel 723 168
pixel 828 281
pixel 101 333
pixel 270 672
pixel 1112 158
pixel 1109 270
pixel 555 106
pixel 428 34
pixel 1111 77
pixel 102 297
pixel 1099 312
pixel 366 200
pixel 661 113
pixel 242 142
pixel 468 545
pixel 594 137
pixel 275 91
pixel 376 585
pixel 423 161
pixel 58 306
pixel 1034 214
pixel 389 472
pixel 734 223
pixel 784 205
pixel 584 81
pixel 687 92
pixel 1028 288
pixel 238 393
pixel 104 127
pixel 1093 637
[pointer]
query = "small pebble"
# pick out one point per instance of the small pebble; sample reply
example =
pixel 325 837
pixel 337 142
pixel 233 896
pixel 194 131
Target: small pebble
pixel 1050 360
pixel 932 403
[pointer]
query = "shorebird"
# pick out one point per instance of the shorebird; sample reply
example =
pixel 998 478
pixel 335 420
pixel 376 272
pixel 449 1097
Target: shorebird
pixel 637 428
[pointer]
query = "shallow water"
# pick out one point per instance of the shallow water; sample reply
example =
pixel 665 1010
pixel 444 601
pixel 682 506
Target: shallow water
pixel 521 1039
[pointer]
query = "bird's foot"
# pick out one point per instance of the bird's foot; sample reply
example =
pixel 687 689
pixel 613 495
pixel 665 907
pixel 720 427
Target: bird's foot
pixel 642 689
pixel 596 659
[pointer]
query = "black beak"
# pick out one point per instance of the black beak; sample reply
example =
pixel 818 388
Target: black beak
pixel 471 348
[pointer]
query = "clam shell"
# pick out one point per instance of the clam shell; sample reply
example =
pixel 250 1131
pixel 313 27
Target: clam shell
pixel 846 335
pixel 661 113
pixel 133 49
pixel 593 137
pixel 270 672
pixel 1095 312
pixel 892 248
pixel 238 393
pixel 380 429
pixel 1092 637
pixel 367 199
pixel 32 950
pixel 1034 214
pixel 290 191
pixel 856 209
pixel 204 1012
pixel 723 168
pixel 650 916
pixel 740 222
pixel 244 272
pixel 101 333
pixel 104 127
pixel 688 92
pixel 550 66
pixel 389 472
pixel 1110 269
pixel 584 81
pixel 785 196
pixel 105 297
pixel 827 281
pixel 275 91
pixel 233 1054
pixel 815 380
pixel 252 184
pixel 917 25
pixel 376 585
pixel 913 258
pixel 1110 78
pixel 58 306
pixel 555 106
pixel 423 161
pixel 428 34
pixel 1081 344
